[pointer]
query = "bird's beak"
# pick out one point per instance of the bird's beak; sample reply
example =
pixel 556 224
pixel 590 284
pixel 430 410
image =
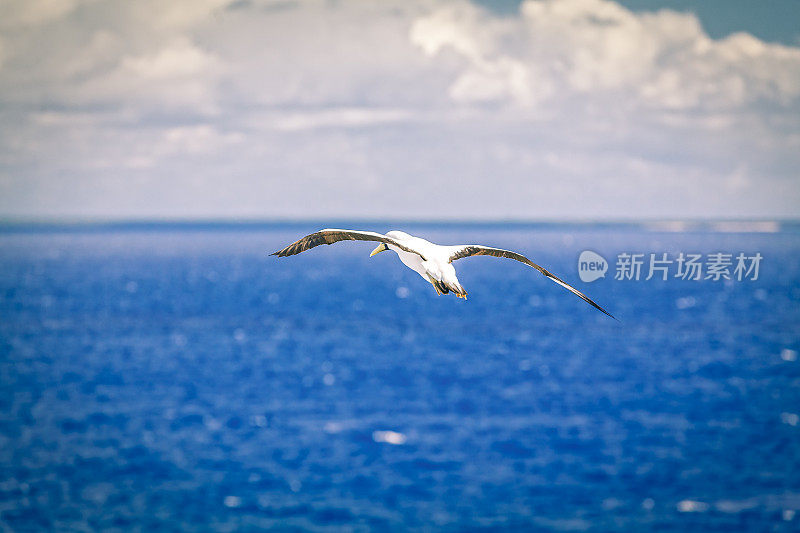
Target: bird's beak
pixel 381 247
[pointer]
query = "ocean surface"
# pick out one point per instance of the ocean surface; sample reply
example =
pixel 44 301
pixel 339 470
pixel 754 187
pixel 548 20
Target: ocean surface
pixel 178 378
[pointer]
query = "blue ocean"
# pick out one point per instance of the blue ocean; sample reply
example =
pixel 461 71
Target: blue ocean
pixel 175 377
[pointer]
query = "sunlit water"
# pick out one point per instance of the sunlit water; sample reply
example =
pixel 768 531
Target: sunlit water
pixel 166 378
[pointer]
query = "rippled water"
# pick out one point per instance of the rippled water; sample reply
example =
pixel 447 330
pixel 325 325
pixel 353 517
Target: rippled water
pixel 179 378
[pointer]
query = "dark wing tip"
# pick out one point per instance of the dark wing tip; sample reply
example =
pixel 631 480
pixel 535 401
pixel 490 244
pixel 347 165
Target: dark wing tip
pixel 593 304
pixel 572 289
pixel 606 312
pixel 580 295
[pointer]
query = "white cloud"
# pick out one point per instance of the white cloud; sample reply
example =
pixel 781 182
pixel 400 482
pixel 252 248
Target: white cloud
pixel 201 139
pixel 348 117
pixel 590 47
pixel 567 108
pixel 180 59
pixel 34 12
pixel 490 74
pixel 176 76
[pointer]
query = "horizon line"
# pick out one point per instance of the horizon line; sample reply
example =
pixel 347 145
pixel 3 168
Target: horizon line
pixel 69 219
pixel 745 224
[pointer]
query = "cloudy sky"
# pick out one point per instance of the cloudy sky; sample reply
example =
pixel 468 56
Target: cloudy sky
pixel 542 109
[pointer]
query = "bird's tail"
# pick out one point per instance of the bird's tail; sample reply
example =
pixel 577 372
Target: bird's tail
pixel 458 290
pixel 443 287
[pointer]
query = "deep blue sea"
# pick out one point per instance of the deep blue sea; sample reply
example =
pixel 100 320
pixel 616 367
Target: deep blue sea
pixel 178 378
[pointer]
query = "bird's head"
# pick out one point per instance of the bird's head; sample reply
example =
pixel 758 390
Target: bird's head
pixel 381 248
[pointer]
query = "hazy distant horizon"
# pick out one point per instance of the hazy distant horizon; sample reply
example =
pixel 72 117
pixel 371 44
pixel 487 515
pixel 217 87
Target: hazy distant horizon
pixel 672 224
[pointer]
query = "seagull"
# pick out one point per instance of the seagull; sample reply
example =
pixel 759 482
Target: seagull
pixel 431 261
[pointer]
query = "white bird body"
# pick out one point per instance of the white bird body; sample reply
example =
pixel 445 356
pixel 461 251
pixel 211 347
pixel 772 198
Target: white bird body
pixel 436 265
pixel 431 261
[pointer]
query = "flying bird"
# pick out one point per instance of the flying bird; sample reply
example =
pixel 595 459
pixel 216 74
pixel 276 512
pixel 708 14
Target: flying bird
pixel 431 261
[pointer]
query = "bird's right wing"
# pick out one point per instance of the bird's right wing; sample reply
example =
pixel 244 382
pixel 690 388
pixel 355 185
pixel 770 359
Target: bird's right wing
pixel 330 236
pixel 469 250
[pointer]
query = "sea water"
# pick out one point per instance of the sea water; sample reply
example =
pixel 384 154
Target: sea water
pixel 163 377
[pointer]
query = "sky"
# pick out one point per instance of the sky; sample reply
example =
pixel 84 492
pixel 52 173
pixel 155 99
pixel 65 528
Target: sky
pixel 399 109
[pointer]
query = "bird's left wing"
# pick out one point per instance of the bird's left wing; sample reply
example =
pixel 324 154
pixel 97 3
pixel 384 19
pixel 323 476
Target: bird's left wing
pixel 330 236
pixel 459 252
